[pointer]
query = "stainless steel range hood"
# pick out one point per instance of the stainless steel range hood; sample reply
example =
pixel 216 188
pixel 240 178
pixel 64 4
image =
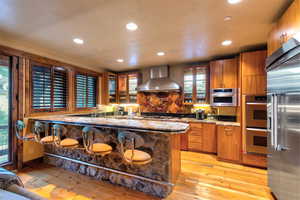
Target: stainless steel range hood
pixel 159 81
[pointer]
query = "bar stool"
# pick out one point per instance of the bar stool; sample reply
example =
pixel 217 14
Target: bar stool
pixel 88 134
pixel 132 155
pixel 20 125
pixel 58 132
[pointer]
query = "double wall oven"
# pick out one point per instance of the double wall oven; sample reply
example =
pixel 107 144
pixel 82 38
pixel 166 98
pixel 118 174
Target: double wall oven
pixel 256 124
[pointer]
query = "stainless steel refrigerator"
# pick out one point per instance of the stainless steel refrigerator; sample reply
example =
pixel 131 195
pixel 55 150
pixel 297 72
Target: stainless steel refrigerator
pixel 283 84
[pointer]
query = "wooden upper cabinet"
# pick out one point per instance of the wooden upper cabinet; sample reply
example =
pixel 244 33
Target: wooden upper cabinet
pixel 122 88
pixel 287 26
pixel 229 143
pixel 216 74
pixel 230 73
pixel 224 73
pixel 127 87
pixel 196 84
pixel 253 73
pixel 112 88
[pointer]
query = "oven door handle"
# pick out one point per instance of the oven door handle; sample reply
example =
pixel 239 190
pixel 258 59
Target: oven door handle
pixel 257 129
pixel 223 95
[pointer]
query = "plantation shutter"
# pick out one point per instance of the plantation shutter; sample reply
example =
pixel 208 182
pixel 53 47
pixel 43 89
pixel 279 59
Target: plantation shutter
pixel 59 89
pixel 41 88
pixel 49 88
pixel 91 91
pixel 86 93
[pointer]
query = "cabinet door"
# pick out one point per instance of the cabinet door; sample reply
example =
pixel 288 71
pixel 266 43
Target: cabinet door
pixel 230 73
pixel 132 87
pixel 288 24
pixel 209 138
pixel 229 143
pixel 216 74
pixel 112 89
pixel 122 88
pixel 253 73
pixel 184 145
pixel 188 85
pixel 273 40
pixel 195 137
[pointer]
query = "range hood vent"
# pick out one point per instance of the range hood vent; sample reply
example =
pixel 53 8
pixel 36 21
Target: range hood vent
pixel 159 81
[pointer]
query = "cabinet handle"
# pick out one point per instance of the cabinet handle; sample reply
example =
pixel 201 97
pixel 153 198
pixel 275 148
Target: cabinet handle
pixel 228 133
pixel 228 129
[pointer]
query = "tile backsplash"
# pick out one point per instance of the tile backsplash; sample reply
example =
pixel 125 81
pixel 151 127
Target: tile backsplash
pixel 161 102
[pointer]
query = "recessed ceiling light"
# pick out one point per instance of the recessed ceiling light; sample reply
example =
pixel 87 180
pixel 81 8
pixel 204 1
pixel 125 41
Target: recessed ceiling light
pixel 226 42
pixel 78 41
pixel 131 26
pixel 234 1
pixel 161 53
pixel 120 60
pixel 227 18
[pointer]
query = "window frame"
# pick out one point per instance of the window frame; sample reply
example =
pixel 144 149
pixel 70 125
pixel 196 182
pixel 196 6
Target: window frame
pixel 96 90
pixel 194 89
pixel 52 68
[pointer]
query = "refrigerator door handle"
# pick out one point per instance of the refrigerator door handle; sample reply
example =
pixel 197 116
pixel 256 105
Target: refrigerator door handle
pixel 275 122
pixel 270 127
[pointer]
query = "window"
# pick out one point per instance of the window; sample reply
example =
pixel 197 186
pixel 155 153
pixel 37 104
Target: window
pixel 49 88
pixel 196 84
pixel 86 91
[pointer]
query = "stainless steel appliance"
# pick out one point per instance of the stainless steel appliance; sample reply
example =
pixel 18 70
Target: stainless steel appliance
pixel 159 81
pixel 256 141
pixel 224 97
pixel 283 69
pixel 256 124
pixel 256 111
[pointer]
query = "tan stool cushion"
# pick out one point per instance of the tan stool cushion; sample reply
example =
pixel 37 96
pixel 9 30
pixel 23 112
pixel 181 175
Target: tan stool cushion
pixel 48 139
pixel 101 148
pixel 69 142
pixel 139 156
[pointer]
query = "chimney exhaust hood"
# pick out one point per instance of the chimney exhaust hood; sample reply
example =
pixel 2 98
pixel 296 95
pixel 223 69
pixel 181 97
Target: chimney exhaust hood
pixel 159 81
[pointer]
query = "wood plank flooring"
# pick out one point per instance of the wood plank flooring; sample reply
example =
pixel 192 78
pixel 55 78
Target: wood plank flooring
pixel 202 178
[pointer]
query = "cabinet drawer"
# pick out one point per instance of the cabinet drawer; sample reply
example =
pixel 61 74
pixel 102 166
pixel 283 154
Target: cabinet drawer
pixel 195 146
pixel 195 132
pixel 195 139
pixel 196 126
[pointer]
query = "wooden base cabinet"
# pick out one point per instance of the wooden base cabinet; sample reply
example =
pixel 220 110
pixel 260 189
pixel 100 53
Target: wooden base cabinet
pixel 202 138
pixel 184 146
pixel 229 143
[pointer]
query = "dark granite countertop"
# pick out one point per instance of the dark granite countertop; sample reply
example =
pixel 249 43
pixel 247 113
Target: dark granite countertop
pixel 133 124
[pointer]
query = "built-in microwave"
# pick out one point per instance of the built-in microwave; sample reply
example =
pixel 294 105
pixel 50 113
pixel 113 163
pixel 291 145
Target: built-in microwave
pixel 256 112
pixel 224 97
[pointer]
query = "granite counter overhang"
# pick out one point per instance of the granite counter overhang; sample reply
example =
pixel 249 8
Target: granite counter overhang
pixel 131 124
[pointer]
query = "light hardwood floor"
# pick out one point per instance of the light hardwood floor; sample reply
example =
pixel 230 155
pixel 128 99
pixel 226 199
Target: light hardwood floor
pixel 202 178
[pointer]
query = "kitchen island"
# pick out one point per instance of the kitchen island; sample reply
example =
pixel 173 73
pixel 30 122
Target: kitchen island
pixel 160 140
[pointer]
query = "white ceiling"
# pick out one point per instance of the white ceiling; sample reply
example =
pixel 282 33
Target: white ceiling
pixel 187 30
